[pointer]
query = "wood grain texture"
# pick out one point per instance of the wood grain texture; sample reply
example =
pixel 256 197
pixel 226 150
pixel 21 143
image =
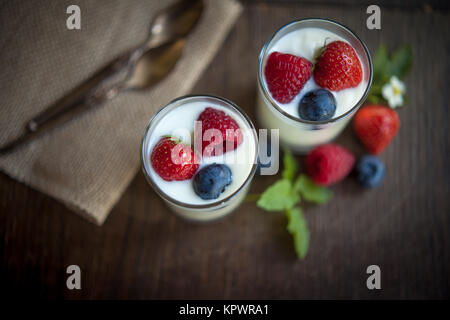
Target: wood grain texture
pixel 144 251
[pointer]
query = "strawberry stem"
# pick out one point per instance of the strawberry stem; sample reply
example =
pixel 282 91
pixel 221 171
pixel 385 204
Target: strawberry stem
pixel 172 138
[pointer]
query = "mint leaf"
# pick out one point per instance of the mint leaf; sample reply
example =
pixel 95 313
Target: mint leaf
pixel 298 228
pixel 289 165
pixel 278 197
pixel 401 62
pixel 381 66
pixel 310 191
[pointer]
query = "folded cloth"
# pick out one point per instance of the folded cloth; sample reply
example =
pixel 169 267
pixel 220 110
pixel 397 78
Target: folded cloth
pixel 88 163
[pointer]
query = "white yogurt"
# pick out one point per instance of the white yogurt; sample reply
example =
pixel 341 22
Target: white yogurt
pixel 300 136
pixel 179 122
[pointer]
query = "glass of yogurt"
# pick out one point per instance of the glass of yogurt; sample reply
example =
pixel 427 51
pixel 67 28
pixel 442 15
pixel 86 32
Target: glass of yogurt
pixel 184 196
pixel 306 38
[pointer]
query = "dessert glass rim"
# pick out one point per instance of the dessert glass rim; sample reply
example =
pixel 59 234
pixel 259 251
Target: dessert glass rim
pixel 274 104
pixel 160 115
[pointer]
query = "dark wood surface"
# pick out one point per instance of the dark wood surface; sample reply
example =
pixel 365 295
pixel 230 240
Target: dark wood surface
pixel 144 251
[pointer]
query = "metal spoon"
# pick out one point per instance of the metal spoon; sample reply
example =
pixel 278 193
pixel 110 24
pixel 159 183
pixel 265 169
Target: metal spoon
pixel 173 22
pixel 151 67
pixel 139 68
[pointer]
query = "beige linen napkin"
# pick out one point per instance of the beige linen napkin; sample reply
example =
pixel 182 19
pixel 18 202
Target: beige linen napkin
pixel 88 163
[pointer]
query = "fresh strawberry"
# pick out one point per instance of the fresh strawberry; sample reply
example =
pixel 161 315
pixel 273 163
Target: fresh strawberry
pixel 329 163
pixel 286 75
pixel 338 67
pixel 173 160
pixel 376 125
pixel 231 134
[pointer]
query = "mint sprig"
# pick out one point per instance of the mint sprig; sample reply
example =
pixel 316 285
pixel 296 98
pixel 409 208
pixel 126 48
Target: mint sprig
pixel 285 195
pixel 290 166
pixel 311 191
pixel 279 196
pixel 298 228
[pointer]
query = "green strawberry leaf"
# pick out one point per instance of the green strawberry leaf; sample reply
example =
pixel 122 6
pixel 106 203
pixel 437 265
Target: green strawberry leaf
pixel 375 94
pixel 310 191
pixel 381 66
pixel 385 66
pixel 177 140
pixel 373 99
pixel 289 165
pixel 376 89
pixel 401 62
pixel 251 197
pixel 298 228
pixel 279 196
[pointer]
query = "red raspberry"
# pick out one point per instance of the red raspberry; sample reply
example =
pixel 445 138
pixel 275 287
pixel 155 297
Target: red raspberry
pixel 231 134
pixel 338 67
pixel 184 166
pixel 376 126
pixel 329 163
pixel 286 75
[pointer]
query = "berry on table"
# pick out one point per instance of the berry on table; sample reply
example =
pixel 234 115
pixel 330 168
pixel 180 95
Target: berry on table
pixel 286 75
pixel 317 105
pixel 370 171
pixel 329 163
pixel 211 181
pixel 376 126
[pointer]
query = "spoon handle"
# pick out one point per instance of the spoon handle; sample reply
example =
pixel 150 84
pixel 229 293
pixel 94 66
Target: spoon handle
pixel 73 109
pixel 101 86
pixel 65 103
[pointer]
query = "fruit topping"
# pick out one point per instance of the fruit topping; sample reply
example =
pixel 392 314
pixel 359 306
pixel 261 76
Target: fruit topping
pixel 317 105
pixel 228 136
pixel 286 75
pixel 338 67
pixel 173 160
pixel 211 181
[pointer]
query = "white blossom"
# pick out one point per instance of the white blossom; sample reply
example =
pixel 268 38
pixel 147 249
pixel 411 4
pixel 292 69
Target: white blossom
pixel 393 92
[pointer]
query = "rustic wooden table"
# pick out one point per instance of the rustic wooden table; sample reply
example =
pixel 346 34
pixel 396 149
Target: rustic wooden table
pixel 143 251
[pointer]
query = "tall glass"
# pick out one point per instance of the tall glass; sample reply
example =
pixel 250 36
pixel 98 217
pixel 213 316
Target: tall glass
pixel 209 210
pixel 297 134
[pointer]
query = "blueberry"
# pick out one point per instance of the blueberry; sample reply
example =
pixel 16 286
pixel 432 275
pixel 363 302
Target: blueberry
pixel 370 171
pixel 317 105
pixel 211 181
